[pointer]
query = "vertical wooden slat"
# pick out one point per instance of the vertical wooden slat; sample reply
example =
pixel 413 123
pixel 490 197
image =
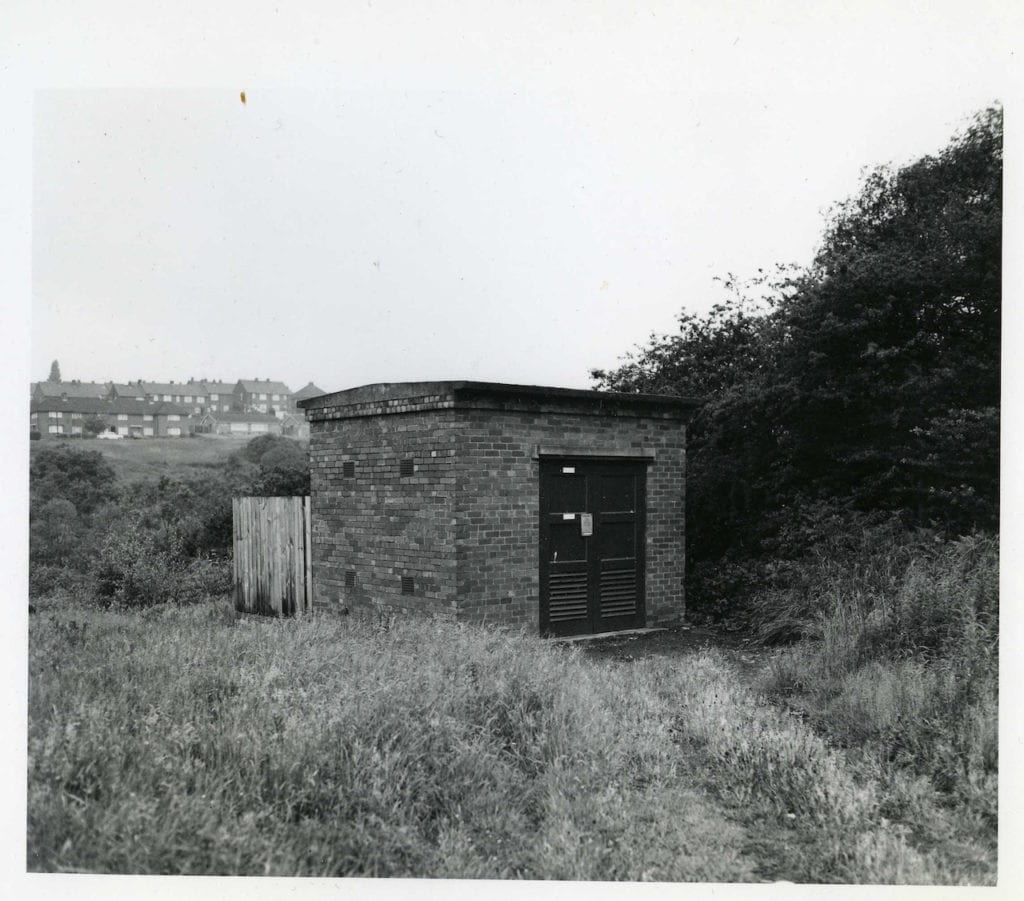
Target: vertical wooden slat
pixel 277 568
pixel 307 503
pixel 280 562
pixel 295 552
pixel 235 550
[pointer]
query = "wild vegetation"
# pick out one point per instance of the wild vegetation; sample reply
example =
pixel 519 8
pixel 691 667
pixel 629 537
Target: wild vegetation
pixel 843 478
pixel 165 538
pixel 178 740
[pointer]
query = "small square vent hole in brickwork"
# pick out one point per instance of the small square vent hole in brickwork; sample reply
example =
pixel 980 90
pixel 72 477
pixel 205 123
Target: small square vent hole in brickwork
pixel 407 585
pixel 350 578
pixel 406 467
pixel 348 469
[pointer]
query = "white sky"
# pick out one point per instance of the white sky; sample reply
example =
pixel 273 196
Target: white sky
pixel 506 191
pixel 409 195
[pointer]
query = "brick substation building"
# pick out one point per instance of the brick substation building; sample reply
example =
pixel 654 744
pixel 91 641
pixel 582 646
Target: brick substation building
pixel 553 509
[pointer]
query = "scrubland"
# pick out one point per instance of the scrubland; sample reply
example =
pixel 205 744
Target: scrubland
pixel 184 740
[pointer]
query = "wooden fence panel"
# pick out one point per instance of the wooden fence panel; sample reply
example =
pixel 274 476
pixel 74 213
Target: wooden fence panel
pixel 271 555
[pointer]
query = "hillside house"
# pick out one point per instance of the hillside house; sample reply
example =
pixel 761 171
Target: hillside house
pixel 263 396
pixel 72 389
pixel 128 391
pixel 307 392
pixel 220 396
pixel 130 418
pixel 191 394
pixel 556 509
pixel 294 426
pixel 232 423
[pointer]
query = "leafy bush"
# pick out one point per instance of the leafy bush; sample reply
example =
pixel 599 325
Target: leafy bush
pixel 47 579
pixel 137 567
pixel 56 534
pixel 194 511
pixel 271 466
pixel 84 478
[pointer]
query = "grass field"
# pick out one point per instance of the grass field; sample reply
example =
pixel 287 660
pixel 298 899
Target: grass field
pixel 183 740
pixel 149 458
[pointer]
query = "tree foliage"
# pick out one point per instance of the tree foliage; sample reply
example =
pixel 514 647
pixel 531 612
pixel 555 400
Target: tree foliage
pixel 84 478
pixel 54 372
pixel 866 384
pixel 272 466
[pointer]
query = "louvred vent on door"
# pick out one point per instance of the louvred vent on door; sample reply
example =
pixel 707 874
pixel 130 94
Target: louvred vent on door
pixel 567 596
pixel 618 591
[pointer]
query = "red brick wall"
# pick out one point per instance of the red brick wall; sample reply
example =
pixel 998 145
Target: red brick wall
pixel 378 523
pixel 465 525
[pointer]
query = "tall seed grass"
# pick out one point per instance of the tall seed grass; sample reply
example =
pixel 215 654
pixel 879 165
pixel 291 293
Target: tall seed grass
pixel 180 741
pixel 170 742
pixel 904 669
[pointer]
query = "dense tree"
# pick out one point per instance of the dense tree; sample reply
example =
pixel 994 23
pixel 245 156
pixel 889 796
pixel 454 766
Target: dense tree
pixel 93 425
pixel 866 384
pixel 54 372
pixel 271 465
pixel 84 478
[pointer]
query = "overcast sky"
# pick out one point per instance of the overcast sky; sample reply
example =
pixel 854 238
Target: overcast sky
pixel 408 213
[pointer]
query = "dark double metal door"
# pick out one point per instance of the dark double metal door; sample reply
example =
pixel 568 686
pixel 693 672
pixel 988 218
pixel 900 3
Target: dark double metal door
pixel 592 521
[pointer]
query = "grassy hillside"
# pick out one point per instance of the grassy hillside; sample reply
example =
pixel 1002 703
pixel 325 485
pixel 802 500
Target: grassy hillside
pixel 184 741
pixel 153 457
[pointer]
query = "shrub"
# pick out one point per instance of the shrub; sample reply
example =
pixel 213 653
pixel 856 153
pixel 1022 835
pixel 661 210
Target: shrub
pixel 131 570
pixel 55 533
pixel 47 579
pixel 82 477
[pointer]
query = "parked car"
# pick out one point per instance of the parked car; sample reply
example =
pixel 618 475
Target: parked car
pixel 112 436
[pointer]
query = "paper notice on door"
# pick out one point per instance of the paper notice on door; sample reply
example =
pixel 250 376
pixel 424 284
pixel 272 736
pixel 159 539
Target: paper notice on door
pixel 568 516
pixel 568 470
pixel 586 524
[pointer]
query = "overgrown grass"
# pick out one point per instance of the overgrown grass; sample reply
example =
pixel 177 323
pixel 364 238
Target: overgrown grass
pixel 170 742
pixel 903 670
pixel 182 741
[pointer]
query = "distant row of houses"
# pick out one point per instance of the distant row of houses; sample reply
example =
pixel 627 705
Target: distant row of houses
pixel 199 396
pixel 157 409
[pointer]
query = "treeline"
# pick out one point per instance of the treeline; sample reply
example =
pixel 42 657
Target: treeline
pixel 852 398
pixel 146 542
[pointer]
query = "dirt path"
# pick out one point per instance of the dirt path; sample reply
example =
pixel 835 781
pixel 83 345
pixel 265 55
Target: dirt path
pixel 734 647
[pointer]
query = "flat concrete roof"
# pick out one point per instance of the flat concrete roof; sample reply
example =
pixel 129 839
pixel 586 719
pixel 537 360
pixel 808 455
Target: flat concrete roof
pixel 498 395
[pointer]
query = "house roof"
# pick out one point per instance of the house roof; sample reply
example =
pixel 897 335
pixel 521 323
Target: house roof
pixel 239 417
pixel 127 390
pixel 103 407
pixel 190 388
pixel 309 390
pixel 264 387
pixel 73 389
pixel 219 387
pixel 71 405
